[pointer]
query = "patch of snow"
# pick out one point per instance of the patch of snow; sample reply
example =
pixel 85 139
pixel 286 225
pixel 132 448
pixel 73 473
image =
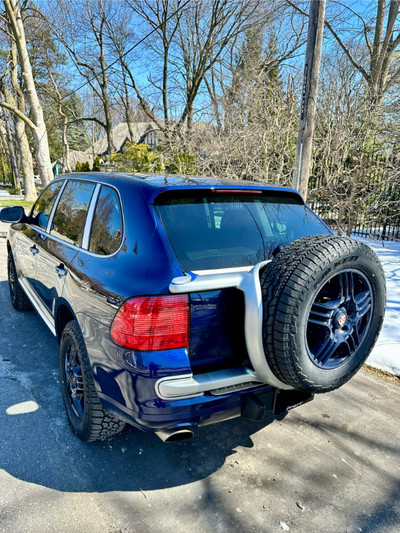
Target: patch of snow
pixel 386 353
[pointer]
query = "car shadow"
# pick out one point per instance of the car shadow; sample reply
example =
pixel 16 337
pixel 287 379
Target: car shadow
pixel 37 445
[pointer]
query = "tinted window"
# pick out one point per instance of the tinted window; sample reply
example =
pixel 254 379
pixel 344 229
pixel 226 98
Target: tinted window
pixel 222 231
pixel 44 204
pixel 106 232
pixel 69 218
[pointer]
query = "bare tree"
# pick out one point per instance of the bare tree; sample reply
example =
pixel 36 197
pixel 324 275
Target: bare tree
pixel 378 61
pixel 353 166
pixel 188 40
pixel 60 108
pixel 8 144
pixel 84 36
pixel 35 120
pixel 20 129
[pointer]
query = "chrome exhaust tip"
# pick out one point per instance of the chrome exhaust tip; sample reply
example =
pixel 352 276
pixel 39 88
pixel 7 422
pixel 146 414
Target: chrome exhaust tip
pixel 173 435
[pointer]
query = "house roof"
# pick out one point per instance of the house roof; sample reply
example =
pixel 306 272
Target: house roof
pixel 121 134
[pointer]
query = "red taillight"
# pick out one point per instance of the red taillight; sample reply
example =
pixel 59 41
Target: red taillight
pixel 152 323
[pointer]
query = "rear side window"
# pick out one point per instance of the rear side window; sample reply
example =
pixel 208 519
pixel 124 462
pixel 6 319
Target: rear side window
pixel 106 234
pixel 233 230
pixel 44 204
pixel 70 215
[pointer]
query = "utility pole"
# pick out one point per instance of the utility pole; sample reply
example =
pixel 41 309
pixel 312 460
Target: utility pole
pixel 309 96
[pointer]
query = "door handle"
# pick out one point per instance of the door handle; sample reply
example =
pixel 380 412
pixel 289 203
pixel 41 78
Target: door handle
pixel 61 271
pixel 34 250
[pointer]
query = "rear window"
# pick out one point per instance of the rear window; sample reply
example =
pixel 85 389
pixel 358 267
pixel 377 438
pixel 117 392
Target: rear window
pixel 223 231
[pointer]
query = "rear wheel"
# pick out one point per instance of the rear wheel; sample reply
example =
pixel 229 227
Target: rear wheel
pixel 85 413
pixel 323 307
pixel 19 299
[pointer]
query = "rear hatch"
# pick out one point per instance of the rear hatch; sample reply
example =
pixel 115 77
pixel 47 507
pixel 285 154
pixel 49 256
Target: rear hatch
pixel 223 229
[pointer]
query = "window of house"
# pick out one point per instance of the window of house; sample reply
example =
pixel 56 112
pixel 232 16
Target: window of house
pixel 69 218
pixel 106 234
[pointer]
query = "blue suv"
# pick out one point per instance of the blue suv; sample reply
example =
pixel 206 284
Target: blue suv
pixel 181 301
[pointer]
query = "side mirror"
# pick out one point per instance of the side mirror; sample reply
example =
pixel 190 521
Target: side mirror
pixel 12 214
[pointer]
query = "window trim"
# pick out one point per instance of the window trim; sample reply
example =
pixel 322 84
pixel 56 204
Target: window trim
pixel 53 211
pixel 92 218
pixel 87 228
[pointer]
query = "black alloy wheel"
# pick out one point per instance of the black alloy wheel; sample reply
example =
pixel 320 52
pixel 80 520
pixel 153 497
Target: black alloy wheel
pixel 85 413
pixel 18 298
pixel 74 380
pixel 339 318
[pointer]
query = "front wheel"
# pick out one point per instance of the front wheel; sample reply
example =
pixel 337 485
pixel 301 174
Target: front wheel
pixel 18 298
pixel 85 413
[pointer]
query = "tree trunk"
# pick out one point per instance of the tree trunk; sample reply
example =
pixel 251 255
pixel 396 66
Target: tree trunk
pixel 64 117
pixel 40 133
pixel 26 160
pixel 22 140
pixel 13 159
pixel 67 164
pixel 43 154
pixel 109 130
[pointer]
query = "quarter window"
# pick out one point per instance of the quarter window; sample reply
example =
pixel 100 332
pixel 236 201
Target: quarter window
pixel 44 204
pixel 70 215
pixel 106 232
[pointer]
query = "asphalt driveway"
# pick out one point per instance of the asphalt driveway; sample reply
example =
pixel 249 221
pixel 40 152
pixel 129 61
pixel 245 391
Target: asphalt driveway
pixel 332 465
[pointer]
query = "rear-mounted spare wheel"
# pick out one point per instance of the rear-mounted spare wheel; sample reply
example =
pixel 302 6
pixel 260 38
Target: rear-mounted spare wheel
pixel 323 307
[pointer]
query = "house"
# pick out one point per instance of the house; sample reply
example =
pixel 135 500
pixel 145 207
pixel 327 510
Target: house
pixel 143 133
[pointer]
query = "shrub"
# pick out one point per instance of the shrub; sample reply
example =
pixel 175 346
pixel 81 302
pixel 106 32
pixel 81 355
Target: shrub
pixel 137 158
pixel 96 164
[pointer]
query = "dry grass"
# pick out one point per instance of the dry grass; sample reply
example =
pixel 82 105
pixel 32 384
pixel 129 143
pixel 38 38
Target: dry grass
pixel 382 374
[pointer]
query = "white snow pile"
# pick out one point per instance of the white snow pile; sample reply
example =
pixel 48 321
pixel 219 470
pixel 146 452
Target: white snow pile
pixel 386 353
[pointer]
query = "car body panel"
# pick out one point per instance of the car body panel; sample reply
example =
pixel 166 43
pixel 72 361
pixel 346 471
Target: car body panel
pixel 94 287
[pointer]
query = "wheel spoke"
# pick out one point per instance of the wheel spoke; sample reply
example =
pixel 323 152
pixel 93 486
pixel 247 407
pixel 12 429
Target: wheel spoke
pixel 363 303
pixel 353 340
pixel 11 278
pixel 328 348
pixel 78 380
pixel 77 403
pixel 346 283
pixel 74 380
pixel 321 313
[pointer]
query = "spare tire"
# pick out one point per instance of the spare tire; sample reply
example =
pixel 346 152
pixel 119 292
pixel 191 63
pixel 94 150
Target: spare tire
pixel 323 307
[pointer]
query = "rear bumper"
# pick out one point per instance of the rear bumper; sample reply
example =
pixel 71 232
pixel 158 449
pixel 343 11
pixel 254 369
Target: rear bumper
pixel 157 390
pixel 257 403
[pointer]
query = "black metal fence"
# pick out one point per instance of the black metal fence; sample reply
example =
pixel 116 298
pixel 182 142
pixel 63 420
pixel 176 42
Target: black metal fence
pixel 373 210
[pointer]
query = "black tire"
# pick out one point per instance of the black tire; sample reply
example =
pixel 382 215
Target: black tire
pixel 323 307
pixel 19 299
pixel 85 413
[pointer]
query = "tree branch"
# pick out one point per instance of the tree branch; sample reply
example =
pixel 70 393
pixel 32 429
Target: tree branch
pixel 93 119
pixel 339 40
pixel 19 114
